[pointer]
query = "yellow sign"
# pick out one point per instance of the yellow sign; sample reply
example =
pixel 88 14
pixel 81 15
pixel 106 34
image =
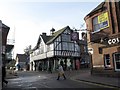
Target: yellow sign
pixel 103 20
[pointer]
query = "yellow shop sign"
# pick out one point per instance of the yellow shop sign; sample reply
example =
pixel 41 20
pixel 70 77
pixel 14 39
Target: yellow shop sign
pixel 103 20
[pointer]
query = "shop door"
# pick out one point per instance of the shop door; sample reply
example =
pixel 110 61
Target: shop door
pixel 117 61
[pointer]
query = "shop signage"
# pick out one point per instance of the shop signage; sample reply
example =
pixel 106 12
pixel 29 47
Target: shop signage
pixel 103 20
pixel 113 41
pixel 74 36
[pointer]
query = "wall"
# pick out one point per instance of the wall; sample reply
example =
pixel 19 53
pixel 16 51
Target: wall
pixel 0 55
pixel 109 33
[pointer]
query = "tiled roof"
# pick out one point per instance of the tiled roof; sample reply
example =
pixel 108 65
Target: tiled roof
pixel 22 57
pixel 49 39
pixel 46 38
pixel 56 34
pixel 5 26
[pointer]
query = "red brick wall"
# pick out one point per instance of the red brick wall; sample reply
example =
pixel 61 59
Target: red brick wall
pixel 97 58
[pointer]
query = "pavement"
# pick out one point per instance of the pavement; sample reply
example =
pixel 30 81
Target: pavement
pixel 101 80
pixel 85 76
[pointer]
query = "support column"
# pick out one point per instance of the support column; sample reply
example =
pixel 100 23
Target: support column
pixel 33 66
pixel 73 64
pixel 54 65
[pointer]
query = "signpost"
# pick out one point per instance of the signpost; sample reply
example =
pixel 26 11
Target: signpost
pixel 0 55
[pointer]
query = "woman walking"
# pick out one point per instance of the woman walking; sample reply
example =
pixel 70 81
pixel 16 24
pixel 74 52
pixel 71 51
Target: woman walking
pixel 61 72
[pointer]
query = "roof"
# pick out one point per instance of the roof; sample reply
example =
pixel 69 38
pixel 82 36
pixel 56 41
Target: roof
pixel 100 6
pixel 5 26
pixel 56 34
pixel 22 57
pixel 49 39
pixel 46 38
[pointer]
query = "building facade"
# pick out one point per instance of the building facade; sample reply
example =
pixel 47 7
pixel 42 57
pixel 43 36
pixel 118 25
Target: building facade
pixel 21 62
pixel 103 25
pixel 54 49
pixel 4 30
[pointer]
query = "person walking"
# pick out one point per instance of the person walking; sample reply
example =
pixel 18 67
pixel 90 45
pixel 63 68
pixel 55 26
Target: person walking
pixel 4 75
pixel 60 72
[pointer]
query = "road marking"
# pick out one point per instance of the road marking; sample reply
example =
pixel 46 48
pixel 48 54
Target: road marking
pixel 107 86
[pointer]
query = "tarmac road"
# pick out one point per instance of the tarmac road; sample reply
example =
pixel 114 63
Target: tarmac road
pixel 37 80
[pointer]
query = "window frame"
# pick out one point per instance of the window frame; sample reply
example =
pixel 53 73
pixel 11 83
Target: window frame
pixel 105 61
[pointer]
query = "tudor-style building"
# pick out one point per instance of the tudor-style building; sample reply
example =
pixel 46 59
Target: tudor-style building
pixel 55 48
pixel 103 25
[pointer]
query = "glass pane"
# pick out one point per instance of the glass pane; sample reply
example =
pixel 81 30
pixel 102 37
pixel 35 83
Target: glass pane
pixel 107 59
pixel 117 57
pixel 95 20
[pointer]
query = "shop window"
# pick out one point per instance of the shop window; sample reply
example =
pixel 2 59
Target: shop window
pixel 107 60
pixel 117 61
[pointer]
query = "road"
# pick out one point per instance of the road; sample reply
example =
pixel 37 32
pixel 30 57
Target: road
pixel 35 80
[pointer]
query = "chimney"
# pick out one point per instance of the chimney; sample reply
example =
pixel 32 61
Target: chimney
pixel 52 31
pixel 44 33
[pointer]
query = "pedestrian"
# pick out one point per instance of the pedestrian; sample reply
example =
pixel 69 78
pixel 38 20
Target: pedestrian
pixel 60 72
pixel 50 69
pixel 4 75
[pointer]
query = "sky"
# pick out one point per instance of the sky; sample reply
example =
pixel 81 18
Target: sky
pixel 29 18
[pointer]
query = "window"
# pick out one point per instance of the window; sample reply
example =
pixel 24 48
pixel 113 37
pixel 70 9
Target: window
pixel 96 26
pixel 101 22
pixel 65 45
pixel 48 47
pixel 64 37
pixel 117 61
pixel 107 60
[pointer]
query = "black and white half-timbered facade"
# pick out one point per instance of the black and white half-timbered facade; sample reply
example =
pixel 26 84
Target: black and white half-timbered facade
pixel 55 49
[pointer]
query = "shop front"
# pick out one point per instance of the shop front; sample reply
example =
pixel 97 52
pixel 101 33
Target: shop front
pixel 110 53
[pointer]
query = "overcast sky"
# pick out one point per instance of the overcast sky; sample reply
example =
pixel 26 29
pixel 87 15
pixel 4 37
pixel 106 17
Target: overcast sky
pixel 29 18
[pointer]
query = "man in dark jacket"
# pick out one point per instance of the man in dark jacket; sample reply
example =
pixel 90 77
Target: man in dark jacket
pixel 4 75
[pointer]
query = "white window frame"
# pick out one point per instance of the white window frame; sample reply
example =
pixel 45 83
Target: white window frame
pixel 105 60
pixel 115 62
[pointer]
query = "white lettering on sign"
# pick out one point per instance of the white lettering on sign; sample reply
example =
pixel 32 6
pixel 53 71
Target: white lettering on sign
pixel 113 41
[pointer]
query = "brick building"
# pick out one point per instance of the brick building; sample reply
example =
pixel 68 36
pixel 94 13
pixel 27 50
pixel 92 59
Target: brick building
pixel 103 25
